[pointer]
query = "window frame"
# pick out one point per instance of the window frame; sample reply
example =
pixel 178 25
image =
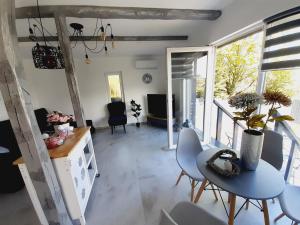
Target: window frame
pixel 107 74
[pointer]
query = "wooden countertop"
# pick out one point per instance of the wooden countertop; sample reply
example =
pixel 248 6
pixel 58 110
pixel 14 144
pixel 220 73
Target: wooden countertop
pixel 66 148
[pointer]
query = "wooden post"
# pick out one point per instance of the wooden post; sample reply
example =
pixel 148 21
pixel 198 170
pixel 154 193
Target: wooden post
pixel 65 45
pixel 109 12
pixel 33 149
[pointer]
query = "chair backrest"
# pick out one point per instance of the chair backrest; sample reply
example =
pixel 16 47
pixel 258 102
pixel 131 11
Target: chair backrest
pixel 187 213
pixel 116 108
pixel 166 219
pixel 188 145
pixel 41 118
pixel 8 139
pixel 272 149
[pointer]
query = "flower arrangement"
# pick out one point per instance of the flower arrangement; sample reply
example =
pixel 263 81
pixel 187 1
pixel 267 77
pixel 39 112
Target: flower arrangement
pixel 58 118
pixel 276 99
pixel 248 103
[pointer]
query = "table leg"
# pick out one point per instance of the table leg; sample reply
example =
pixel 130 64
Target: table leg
pixel 201 189
pixel 232 209
pixel 193 189
pixel 266 212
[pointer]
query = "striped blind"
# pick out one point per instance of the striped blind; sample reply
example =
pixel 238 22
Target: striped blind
pixel 282 41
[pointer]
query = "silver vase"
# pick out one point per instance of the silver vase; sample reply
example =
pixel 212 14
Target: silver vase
pixel 251 148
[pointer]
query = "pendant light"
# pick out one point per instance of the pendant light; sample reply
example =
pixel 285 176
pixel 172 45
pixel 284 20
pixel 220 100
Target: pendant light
pixel 44 55
pixel 100 34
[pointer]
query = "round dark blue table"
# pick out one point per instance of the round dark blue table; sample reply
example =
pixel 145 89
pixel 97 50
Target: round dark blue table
pixel 262 184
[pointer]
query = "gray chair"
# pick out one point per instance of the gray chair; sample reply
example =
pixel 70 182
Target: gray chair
pixel 272 149
pixel 188 148
pixel 186 213
pixel 290 203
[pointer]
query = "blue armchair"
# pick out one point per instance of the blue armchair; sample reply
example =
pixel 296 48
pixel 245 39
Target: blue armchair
pixel 117 116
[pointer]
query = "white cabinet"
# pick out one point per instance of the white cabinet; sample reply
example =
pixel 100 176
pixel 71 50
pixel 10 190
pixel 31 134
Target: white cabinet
pixel 76 169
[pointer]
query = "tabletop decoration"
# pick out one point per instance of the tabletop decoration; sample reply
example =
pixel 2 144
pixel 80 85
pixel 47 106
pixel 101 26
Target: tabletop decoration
pixel 59 121
pixel 225 163
pixel 253 136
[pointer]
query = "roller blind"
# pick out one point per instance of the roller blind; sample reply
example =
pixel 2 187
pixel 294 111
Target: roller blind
pixel 282 41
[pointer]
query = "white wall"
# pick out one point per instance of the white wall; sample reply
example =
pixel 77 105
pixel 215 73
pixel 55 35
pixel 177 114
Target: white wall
pixel 49 87
pixel 242 13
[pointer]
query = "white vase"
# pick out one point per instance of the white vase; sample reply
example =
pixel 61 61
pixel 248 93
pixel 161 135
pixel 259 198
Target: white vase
pixel 61 127
pixel 251 148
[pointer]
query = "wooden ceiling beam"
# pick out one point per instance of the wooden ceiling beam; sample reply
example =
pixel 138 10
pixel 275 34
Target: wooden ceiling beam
pixel 116 38
pixel 107 12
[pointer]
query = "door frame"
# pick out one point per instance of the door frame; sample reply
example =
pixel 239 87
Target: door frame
pixel 106 74
pixel 209 89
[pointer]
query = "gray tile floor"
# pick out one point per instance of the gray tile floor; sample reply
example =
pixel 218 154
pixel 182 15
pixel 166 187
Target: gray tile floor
pixel 137 180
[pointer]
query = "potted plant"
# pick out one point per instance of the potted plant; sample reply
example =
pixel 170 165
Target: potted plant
pixel 136 109
pixel 252 139
pixel 253 136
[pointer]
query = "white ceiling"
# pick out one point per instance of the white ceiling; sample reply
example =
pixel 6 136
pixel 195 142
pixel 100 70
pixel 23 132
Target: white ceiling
pixel 125 27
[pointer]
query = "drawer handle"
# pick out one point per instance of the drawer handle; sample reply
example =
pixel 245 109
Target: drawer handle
pixel 82 174
pixel 83 193
pixel 76 181
pixel 80 161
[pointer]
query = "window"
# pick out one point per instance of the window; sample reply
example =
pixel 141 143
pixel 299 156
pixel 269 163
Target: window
pixel 237 65
pixel 288 82
pixel 115 86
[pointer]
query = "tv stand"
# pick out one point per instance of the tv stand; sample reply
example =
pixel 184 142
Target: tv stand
pixel 158 121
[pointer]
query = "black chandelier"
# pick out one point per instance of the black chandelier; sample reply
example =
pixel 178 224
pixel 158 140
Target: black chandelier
pixel 45 56
pixel 101 33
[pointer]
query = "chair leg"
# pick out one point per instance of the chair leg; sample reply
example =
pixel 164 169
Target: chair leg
pixel 124 128
pixel 201 189
pixel 247 204
pixel 214 191
pixel 112 129
pixel 273 200
pixel 279 217
pixel 180 175
pixel 193 190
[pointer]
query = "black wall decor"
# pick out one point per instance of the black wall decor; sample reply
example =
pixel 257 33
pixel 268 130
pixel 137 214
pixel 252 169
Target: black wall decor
pixel 47 57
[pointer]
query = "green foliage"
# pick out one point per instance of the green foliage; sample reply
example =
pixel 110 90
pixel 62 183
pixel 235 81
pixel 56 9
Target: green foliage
pixel 280 81
pixel 252 120
pixel 281 118
pixel 237 70
pixel 200 88
pixel 236 65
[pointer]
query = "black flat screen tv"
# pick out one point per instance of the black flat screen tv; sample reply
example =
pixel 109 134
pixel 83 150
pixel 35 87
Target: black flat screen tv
pixel 157 105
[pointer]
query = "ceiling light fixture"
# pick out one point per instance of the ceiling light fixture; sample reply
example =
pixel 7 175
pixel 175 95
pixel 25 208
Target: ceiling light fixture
pixel 44 55
pixel 100 34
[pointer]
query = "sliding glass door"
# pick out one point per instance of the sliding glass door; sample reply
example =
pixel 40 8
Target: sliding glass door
pixel 190 80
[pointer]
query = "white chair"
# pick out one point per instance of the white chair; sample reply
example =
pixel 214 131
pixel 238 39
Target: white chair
pixel 188 148
pixel 290 204
pixel 186 213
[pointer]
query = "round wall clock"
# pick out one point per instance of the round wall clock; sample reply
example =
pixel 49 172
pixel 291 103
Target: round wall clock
pixel 147 78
